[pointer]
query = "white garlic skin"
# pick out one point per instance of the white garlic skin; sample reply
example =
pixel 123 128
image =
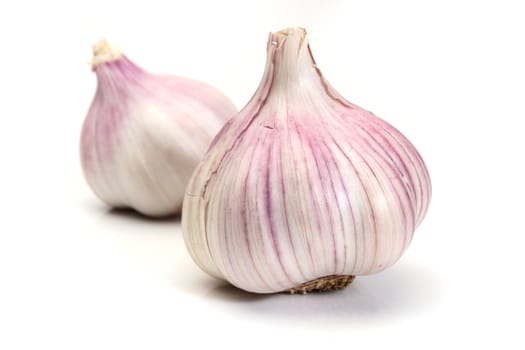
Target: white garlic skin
pixel 144 134
pixel 302 184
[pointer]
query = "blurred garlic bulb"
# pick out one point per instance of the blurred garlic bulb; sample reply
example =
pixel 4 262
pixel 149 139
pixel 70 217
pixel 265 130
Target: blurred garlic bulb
pixel 303 190
pixel 144 134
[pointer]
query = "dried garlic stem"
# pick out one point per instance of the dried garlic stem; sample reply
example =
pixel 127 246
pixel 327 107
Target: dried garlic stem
pixel 104 52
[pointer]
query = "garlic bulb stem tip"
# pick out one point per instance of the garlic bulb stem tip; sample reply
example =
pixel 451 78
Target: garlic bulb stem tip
pixel 278 38
pixel 104 52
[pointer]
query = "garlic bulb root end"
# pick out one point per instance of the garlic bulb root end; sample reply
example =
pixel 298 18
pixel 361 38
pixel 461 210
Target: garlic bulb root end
pixel 323 284
pixel 104 52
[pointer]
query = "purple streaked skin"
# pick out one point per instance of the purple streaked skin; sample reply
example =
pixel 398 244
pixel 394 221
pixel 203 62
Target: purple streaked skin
pixel 122 80
pixel 144 134
pixel 105 116
pixel 321 186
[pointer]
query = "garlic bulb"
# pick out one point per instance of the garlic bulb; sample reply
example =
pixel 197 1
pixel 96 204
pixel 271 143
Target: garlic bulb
pixel 302 190
pixel 144 134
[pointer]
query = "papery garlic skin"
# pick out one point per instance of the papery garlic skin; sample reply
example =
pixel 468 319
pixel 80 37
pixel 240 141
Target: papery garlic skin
pixel 302 184
pixel 144 134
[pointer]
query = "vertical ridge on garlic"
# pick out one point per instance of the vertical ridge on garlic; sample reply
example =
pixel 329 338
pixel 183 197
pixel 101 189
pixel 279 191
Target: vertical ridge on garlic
pixel 144 134
pixel 302 190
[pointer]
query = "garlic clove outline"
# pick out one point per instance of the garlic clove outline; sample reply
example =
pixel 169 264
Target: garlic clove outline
pixel 302 190
pixel 144 134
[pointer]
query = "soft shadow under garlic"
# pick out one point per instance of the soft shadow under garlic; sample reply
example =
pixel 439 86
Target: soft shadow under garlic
pixel 403 289
pixel 131 214
pixel 152 246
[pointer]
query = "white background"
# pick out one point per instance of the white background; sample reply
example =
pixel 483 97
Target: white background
pixel 449 74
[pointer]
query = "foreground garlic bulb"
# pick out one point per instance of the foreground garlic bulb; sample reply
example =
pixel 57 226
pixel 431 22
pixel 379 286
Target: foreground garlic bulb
pixel 145 134
pixel 302 190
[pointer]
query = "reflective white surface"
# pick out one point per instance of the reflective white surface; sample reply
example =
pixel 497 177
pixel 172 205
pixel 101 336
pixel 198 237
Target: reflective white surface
pixel 450 75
